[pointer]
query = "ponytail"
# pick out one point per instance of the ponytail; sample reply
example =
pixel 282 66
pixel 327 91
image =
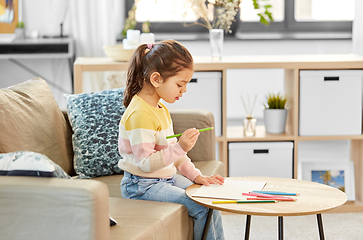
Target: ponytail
pixel 135 79
pixel 167 58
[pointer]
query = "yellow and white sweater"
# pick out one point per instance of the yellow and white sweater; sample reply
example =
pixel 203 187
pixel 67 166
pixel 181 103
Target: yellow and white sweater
pixel 143 145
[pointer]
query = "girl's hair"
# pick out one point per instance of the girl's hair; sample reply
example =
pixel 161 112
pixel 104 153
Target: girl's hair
pixel 167 58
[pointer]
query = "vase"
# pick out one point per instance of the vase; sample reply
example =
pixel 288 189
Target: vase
pixel 275 120
pixel 216 37
pixel 249 126
pixel 19 33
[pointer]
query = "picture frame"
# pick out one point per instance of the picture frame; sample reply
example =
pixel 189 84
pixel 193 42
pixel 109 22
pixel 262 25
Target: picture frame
pixel 339 175
pixel 8 16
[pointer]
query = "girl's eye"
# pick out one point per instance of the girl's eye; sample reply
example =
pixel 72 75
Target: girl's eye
pixel 179 85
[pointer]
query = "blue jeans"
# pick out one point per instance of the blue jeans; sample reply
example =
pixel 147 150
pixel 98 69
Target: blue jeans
pixel 173 190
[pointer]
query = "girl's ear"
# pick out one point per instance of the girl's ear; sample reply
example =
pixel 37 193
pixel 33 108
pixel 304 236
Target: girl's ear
pixel 155 79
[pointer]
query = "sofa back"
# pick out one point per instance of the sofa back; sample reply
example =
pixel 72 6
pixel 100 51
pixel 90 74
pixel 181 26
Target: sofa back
pixel 204 149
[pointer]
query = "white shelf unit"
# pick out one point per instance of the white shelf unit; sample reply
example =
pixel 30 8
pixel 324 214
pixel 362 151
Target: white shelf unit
pixel 291 65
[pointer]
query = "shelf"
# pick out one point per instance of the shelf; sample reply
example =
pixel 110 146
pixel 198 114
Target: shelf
pixel 235 134
pixel 321 138
pixel 292 65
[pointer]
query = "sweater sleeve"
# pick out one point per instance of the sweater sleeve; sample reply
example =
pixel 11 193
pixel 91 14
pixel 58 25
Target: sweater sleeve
pixel 151 150
pixel 187 168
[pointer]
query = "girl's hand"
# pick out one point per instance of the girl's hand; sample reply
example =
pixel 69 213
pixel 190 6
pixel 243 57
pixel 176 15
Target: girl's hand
pixel 188 139
pixel 204 180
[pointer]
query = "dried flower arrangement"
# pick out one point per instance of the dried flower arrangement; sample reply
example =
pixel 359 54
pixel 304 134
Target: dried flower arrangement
pixel 225 12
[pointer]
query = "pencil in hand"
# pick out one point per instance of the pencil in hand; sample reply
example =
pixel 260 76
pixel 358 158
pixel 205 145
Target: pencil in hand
pixel 200 130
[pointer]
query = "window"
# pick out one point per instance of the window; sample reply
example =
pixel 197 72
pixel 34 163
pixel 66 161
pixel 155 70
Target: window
pixel 292 18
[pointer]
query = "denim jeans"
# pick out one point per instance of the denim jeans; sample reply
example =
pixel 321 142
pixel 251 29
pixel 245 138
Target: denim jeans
pixel 173 190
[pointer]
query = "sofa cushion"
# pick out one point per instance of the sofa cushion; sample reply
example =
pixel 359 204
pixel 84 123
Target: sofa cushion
pixel 30 120
pixel 113 184
pixel 94 118
pixel 25 163
pixel 53 208
pixel 144 220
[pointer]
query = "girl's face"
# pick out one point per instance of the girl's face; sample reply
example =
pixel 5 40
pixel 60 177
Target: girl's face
pixel 172 89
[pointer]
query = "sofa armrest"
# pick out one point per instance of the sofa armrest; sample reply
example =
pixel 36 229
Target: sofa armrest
pixel 204 149
pixel 44 208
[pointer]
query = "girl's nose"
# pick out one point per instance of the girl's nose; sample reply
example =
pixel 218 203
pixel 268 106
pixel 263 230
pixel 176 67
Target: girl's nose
pixel 184 89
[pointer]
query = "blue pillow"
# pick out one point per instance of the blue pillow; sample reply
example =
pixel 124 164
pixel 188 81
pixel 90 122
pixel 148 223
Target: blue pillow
pixel 95 118
pixel 26 163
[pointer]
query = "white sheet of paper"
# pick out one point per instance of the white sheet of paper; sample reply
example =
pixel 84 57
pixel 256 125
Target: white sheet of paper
pixel 231 189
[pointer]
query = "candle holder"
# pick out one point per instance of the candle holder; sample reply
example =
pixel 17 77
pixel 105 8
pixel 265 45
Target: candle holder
pixel 249 126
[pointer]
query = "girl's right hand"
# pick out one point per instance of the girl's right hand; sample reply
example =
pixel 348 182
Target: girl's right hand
pixel 188 139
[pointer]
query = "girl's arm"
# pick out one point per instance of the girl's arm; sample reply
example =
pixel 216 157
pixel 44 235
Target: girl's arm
pixel 151 150
pixel 187 168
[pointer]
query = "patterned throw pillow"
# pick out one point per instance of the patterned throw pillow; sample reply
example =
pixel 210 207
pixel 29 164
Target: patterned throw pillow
pixel 25 163
pixel 94 118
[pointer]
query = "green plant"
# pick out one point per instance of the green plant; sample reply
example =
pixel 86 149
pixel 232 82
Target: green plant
pixel 275 101
pixel 265 14
pixel 130 23
pixel 20 25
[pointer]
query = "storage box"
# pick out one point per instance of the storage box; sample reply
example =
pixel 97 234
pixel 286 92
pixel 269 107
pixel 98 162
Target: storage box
pixel 330 102
pixel 266 159
pixel 204 91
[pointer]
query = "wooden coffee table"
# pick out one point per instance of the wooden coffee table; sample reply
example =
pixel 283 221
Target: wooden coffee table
pixel 314 198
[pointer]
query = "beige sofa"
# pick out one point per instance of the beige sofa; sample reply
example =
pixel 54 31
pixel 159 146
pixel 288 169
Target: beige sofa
pixel 54 208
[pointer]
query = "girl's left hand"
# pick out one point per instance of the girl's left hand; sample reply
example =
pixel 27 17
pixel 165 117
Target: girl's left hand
pixel 204 180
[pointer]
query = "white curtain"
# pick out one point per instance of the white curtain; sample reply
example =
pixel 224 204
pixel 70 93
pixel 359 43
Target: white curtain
pixel 357 38
pixel 93 24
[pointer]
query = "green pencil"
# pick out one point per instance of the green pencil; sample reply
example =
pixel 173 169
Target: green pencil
pixel 246 201
pixel 200 130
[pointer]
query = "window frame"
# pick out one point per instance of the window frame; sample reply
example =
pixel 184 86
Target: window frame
pixel 289 28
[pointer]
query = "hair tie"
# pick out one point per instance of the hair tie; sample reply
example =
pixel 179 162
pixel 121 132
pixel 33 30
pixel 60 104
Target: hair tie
pixel 149 45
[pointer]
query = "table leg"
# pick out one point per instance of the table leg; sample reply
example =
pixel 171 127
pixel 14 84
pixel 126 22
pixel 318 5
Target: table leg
pixel 320 226
pixel 248 225
pixel 281 228
pixel 206 227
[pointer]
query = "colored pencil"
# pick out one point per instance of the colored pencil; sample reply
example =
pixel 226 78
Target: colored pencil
pixel 200 130
pixel 277 193
pixel 275 198
pixel 245 201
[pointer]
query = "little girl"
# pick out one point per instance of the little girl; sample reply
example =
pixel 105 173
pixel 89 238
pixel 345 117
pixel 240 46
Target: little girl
pixel 150 161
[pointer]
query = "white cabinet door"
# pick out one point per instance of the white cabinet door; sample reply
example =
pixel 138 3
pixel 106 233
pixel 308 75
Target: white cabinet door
pixel 264 159
pixel 330 102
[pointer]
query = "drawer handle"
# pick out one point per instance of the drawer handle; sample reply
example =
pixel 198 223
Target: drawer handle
pixel 258 151
pixel 331 78
pixel 193 80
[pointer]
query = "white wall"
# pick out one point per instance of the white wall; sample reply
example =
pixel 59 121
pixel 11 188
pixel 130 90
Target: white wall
pixel 84 20
pixel 42 16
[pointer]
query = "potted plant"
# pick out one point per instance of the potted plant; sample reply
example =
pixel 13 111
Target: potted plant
pixel 19 31
pixel 275 113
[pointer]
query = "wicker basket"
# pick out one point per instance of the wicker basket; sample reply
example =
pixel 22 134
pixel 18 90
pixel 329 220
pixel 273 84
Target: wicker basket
pixel 118 53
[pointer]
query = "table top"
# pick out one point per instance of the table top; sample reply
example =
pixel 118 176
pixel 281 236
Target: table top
pixel 314 198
